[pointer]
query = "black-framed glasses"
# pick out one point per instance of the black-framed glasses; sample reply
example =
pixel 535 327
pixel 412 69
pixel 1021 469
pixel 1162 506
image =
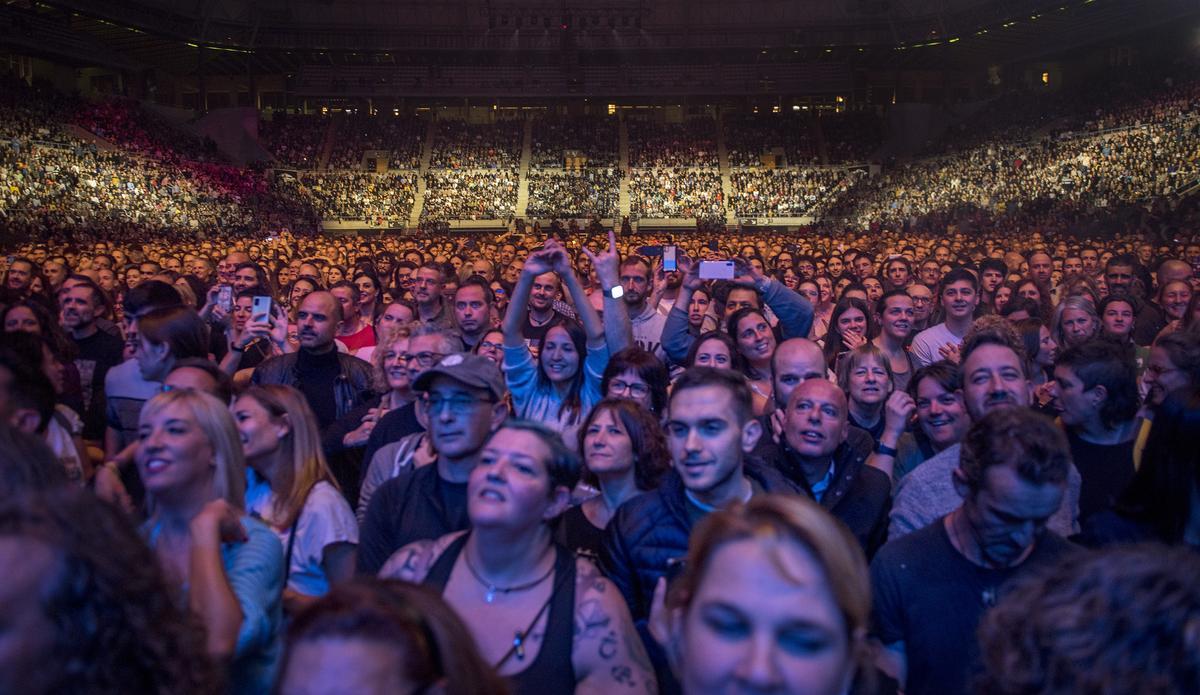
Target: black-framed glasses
pixel 424 359
pixel 459 405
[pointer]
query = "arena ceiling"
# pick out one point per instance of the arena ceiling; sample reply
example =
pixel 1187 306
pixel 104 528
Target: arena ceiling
pixel 269 36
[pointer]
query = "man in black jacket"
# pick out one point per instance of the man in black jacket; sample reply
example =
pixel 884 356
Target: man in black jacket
pixel 826 457
pixel 332 382
pixel 710 430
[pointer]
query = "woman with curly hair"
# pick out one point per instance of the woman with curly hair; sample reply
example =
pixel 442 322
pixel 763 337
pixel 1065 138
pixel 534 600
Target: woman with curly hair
pixel 1125 620
pixel 624 454
pixel 375 637
pixel 87 607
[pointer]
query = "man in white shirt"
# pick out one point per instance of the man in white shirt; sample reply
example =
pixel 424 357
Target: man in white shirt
pixel 959 295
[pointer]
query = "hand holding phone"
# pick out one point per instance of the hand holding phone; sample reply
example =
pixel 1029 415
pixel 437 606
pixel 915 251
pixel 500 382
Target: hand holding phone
pixel 716 270
pixel 669 262
pixel 260 310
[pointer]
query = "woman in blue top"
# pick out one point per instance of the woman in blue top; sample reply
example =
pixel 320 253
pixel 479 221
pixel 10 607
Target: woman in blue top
pixel 562 385
pixel 229 566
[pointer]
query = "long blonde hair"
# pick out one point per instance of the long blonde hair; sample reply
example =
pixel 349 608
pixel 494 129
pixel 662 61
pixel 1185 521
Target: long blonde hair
pixel 379 382
pixel 301 448
pixel 229 481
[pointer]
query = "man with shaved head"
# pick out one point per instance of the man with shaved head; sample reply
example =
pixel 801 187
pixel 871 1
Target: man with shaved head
pixel 333 382
pixel 822 458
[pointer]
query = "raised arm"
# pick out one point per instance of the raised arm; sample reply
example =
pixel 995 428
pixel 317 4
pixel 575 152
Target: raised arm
pixel 676 338
pixel 794 312
pixel 618 330
pixel 518 305
pixel 561 261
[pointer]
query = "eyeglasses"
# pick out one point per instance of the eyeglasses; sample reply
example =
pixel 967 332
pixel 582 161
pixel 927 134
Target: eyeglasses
pixel 488 345
pixel 425 359
pixel 920 300
pixel 458 405
pixel 1159 371
pixel 634 389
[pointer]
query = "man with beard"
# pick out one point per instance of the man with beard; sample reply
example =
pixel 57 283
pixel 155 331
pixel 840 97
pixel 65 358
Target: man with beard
pixel 930 588
pixel 427 285
pixel 647 321
pixel 18 277
pixel 922 298
pixel 332 382
pixel 98 351
pixel 545 291
pixel 993 378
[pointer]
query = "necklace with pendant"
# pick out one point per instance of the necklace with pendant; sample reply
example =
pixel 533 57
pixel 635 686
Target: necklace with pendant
pixel 492 589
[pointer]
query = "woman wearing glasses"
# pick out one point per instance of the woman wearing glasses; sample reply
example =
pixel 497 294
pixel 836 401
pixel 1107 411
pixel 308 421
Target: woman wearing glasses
pixel 639 376
pixel 548 621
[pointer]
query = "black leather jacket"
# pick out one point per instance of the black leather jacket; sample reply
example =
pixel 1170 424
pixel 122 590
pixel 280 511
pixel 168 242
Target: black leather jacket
pixel 352 386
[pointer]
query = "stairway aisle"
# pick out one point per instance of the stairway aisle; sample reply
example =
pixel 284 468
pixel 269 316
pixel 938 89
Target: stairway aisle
pixel 414 218
pixel 523 168
pixel 623 200
pixel 726 180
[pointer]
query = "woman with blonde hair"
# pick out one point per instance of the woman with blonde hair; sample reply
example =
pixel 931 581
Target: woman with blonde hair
pixel 292 490
pixel 228 566
pixel 778 574
pixel 1075 321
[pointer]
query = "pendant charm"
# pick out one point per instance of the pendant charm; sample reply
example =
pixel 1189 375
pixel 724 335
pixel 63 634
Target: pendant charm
pixel 490 595
pixel 519 645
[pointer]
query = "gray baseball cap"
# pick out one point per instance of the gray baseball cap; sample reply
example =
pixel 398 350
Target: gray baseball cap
pixel 472 370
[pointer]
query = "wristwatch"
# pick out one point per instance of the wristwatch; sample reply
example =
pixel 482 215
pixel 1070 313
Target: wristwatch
pixel 885 450
pixel 616 292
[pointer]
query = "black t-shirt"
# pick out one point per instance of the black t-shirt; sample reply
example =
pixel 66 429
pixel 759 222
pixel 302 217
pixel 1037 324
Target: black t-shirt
pixel 98 353
pixel 393 427
pixel 1106 470
pixel 931 598
pixel 575 532
pixel 534 334
pixel 416 505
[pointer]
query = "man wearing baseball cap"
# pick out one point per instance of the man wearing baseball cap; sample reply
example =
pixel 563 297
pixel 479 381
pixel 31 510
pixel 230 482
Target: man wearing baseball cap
pixel 463 402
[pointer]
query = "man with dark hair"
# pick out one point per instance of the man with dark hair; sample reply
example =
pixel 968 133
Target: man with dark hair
pixel 864 266
pixel 931 587
pixel 993 378
pixel 711 430
pixel 1095 388
pixel 821 458
pixel 637 282
pixel 959 295
pixel 427 285
pixel 463 400
pixel 97 351
pixel 355 332
pixel 897 273
pixel 473 310
pixel 332 382
pixel 992 272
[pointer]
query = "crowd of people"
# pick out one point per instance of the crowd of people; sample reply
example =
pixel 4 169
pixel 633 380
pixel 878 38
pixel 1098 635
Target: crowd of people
pixel 553 138
pixel 749 136
pixel 401 138
pixel 897 460
pixel 583 193
pixel 353 195
pixel 654 144
pixel 470 195
pixel 459 145
pixel 782 192
pixel 293 139
pixel 676 193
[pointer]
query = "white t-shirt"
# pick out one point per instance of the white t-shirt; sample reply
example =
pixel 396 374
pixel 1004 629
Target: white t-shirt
pixel 925 345
pixel 326 519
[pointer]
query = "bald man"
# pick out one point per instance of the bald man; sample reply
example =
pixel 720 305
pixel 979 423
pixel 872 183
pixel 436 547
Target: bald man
pixel 1172 270
pixel 821 457
pixel 333 383
pixel 795 360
